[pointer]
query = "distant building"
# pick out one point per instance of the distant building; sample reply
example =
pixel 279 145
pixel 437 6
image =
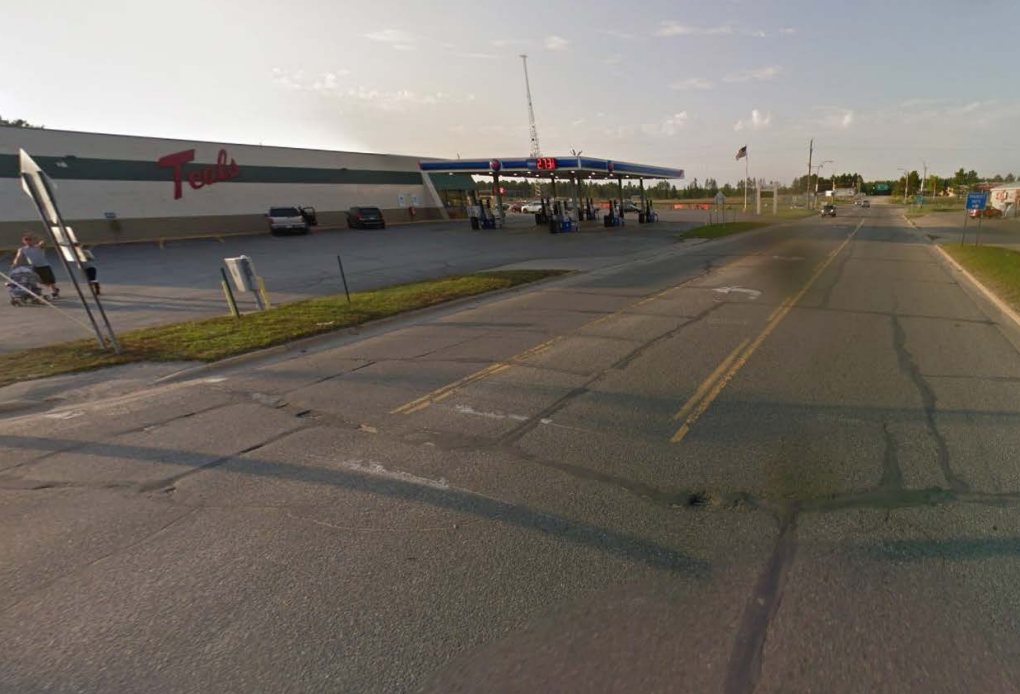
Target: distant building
pixel 841 193
pixel 1004 198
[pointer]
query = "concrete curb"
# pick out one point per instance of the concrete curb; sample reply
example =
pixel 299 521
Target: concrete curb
pixel 1011 322
pixel 304 343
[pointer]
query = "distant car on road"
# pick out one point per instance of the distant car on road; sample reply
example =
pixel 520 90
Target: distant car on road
pixel 865 203
pixel 629 206
pixel 829 210
pixel 365 218
pixel 533 207
pixel 515 207
pixel 293 220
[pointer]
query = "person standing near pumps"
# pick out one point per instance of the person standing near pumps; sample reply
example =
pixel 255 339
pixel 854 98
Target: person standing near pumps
pixel 32 254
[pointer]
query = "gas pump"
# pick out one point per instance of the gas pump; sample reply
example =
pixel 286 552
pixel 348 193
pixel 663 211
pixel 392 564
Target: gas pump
pixel 650 215
pixel 489 219
pixel 543 216
pixel 554 218
pixel 592 214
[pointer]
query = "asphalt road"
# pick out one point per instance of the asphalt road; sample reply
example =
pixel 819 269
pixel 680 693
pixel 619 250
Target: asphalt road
pixel 780 462
pixel 148 284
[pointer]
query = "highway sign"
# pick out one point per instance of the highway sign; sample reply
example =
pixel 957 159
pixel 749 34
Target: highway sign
pixel 977 201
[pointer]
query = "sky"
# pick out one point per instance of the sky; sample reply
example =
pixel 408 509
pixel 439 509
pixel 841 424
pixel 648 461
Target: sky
pixel 878 85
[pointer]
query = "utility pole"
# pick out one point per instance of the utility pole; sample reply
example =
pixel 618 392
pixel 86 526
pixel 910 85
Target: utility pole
pixel 924 181
pixel 535 149
pixel 807 188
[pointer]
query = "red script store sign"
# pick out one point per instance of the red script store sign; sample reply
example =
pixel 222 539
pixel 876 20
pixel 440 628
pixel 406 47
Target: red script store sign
pixel 198 178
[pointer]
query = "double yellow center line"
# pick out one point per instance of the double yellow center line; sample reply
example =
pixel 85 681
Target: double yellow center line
pixel 712 386
pixel 446 391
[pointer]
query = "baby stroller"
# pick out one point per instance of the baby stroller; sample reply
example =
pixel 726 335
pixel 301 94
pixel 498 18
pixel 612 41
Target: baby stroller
pixel 27 279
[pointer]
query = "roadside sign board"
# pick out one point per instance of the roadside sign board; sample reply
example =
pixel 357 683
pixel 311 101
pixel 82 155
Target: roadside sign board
pixel 918 199
pixel 720 199
pixel 977 201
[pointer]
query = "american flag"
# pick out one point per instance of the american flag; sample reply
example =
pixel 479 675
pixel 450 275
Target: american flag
pixel 742 152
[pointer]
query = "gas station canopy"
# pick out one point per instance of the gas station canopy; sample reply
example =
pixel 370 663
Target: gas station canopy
pixel 551 167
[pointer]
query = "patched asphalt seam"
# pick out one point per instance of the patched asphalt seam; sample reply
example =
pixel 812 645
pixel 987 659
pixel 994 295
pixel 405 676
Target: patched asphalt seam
pixel 525 427
pixel 749 644
pixel 892 475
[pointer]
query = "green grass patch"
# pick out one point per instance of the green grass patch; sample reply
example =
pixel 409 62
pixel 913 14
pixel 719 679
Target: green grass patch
pixel 997 268
pixel 715 231
pixel 212 339
pixel 791 213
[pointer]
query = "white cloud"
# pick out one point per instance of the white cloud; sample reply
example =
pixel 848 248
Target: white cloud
pixel 556 43
pixel 618 34
pixel 614 59
pixel 757 121
pixel 691 83
pixel 503 43
pixel 762 73
pixel 787 31
pixel 847 120
pixel 671 28
pixel 673 123
pixel 398 36
pixel 404 47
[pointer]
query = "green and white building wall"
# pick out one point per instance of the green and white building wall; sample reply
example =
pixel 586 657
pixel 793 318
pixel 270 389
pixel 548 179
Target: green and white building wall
pixel 116 188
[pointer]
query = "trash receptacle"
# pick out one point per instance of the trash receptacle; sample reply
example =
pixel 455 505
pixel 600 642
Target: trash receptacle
pixel 474 223
pixel 640 217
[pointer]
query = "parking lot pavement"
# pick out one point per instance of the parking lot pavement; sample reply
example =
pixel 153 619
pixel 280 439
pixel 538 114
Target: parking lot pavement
pixel 148 284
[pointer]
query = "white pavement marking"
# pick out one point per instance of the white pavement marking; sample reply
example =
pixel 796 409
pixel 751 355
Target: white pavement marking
pixel 70 414
pixel 214 379
pixel 468 410
pixel 753 293
pixel 376 469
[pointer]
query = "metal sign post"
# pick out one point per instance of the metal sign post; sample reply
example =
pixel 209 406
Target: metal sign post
pixel 36 184
pixel 977 202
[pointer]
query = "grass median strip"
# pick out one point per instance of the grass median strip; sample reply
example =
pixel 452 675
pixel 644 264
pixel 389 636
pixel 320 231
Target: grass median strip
pixel 211 339
pixel 997 268
pixel 716 231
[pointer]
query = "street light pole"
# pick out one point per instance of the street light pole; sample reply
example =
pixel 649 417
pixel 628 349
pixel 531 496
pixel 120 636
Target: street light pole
pixel 807 187
pixel 906 183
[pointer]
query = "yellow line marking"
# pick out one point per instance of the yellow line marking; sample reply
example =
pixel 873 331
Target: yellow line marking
pixel 438 394
pixel 707 383
pixel 785 308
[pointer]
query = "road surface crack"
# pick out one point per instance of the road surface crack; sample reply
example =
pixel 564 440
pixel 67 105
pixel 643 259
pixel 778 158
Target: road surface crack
pixel 908 366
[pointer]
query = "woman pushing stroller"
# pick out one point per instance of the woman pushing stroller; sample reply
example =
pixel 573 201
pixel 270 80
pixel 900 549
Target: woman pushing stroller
pixel 32 254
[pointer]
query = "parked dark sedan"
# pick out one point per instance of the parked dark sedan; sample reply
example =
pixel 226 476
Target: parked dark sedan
pixel 365 218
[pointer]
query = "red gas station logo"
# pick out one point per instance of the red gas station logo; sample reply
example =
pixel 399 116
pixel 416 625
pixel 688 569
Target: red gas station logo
pixel 199 178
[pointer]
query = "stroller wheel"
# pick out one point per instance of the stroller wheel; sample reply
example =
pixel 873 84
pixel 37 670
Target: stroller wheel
pixel 15 302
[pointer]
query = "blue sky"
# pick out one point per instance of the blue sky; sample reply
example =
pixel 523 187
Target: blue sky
pixel 879 85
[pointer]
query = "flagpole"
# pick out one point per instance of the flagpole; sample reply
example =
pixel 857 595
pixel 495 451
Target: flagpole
pixel 747 169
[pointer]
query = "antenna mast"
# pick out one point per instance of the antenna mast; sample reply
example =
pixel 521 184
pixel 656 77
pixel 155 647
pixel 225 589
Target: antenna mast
pixel 535 150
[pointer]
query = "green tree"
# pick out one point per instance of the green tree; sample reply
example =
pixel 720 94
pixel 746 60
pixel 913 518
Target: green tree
pixel 19 123
pixel 1010 178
